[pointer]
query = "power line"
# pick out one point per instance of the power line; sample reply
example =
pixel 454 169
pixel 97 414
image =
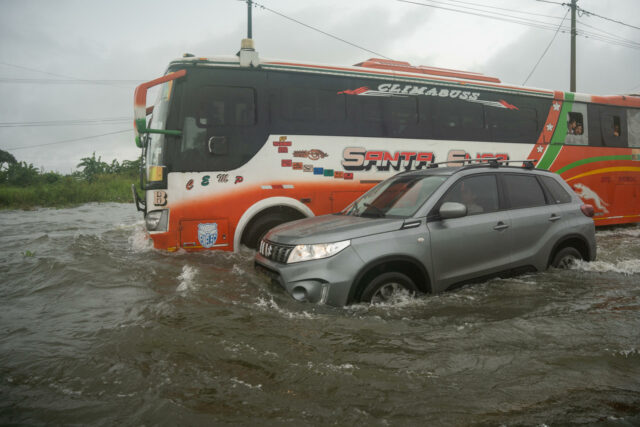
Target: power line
pixel 586 12
pixel 66 81
pixel 69 140
pixel 74 122
pixel 22 67
pixel 545 51
pixel 506 9
pixel 491 15
pixel 319 30
pixel 528 22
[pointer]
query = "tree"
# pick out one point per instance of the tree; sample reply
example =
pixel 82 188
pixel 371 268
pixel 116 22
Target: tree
pixel 91 167
pixel 6 159
pixel 22 174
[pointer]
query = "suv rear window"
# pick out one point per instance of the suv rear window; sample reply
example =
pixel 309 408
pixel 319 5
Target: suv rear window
pixel 523 191
pixel 558 194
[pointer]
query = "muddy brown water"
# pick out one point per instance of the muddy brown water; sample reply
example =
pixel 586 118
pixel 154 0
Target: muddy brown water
pixel 98 328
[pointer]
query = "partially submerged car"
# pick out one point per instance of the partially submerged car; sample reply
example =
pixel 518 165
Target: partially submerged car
pixel 430 230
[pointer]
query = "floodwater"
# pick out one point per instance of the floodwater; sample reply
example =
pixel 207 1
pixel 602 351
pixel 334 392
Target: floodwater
pixel 98 328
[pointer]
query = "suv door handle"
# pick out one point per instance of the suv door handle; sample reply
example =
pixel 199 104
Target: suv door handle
pixel 554 217
pixel 500 226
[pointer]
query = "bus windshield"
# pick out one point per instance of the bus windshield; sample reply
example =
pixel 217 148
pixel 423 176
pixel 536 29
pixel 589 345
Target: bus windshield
pixel 155 142
pixel 400 196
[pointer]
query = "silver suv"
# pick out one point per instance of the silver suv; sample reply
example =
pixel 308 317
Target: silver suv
pixel 430 230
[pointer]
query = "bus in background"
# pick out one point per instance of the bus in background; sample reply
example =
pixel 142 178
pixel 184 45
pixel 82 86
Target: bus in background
pixel 235 146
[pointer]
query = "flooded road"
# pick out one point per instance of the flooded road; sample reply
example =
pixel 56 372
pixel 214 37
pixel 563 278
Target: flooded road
pixel 98 328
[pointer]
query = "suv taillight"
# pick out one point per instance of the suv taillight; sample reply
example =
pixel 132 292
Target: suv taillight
pixel 587 210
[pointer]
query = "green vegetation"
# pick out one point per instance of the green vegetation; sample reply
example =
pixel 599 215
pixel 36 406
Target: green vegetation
pixel 23 186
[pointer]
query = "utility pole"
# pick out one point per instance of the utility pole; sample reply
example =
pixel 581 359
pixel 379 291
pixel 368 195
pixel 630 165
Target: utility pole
pixel 573 45
pixel 249 29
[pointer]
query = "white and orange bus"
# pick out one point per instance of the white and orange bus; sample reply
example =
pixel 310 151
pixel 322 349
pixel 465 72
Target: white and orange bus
pixel 235 146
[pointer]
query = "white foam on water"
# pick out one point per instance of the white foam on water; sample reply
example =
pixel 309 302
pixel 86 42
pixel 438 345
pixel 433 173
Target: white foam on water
pixel 139 241
pixel 270 304
pixel 627 267
pixel 237 382
pixel 237 270
pixel 187 279
pixel 631 231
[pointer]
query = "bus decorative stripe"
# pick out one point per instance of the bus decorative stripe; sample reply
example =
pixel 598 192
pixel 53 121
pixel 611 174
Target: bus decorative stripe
pixel 592 160
pixel 615 217
pixel 558 110
pixel 604 170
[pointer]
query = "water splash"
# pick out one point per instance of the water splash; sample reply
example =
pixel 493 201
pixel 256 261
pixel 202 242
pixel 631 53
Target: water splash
pixel 139 241
pixel 627 267
pixel 187 279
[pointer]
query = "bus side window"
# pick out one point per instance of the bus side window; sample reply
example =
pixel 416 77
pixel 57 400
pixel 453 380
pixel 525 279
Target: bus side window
pixel 511 125
pixel 402 115
pixel 577 126
pixel 425 119
pixel 457 119
pixel 633 123
pixel 613 127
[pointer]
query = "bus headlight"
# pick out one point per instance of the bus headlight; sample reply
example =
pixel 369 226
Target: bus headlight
pixel 157 220
pixel 319 251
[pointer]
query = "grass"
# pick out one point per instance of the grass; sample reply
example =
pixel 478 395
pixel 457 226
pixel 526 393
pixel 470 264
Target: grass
pixel 68 191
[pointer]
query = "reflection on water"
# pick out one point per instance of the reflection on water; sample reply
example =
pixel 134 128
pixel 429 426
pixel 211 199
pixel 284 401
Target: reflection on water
pixel 97 327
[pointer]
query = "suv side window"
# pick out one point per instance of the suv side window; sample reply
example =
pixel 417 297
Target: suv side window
pixel 523 191
pixel 558 194
pixel 478 193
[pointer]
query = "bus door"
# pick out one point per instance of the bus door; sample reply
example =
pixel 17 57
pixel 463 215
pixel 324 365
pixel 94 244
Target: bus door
pixel 224 124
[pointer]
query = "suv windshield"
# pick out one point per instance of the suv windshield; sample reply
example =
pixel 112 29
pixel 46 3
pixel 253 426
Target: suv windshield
pixel 400 196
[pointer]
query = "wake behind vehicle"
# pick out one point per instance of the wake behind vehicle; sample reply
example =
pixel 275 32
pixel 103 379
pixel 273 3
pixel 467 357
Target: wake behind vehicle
pixel 427 231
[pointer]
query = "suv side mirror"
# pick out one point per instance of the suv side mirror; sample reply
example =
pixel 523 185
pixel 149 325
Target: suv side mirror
pixel 450 210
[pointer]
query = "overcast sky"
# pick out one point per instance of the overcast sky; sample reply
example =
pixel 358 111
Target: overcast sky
pixel 117 44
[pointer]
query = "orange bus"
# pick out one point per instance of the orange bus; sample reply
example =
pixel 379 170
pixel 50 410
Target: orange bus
pixel 234 146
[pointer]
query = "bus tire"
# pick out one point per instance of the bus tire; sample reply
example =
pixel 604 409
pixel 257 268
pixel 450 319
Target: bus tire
pixel 261 225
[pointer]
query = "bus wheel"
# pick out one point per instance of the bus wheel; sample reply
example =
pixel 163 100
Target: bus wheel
pixel 387 287
pixel 566 257
pixel 259 226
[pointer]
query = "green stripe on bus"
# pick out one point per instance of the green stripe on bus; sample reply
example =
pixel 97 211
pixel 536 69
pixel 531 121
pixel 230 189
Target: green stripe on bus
pixel 559 134
pixel 592 160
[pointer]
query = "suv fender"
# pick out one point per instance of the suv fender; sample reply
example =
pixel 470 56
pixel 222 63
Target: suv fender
pixel 400 263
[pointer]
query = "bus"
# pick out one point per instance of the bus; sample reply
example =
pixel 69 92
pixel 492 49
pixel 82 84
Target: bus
pixel 234 146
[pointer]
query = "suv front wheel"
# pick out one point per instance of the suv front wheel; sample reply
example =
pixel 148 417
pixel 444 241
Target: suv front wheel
pixel 566 257
pixel 387 287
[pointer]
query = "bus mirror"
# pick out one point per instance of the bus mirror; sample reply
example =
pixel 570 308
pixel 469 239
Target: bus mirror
pixel 140 110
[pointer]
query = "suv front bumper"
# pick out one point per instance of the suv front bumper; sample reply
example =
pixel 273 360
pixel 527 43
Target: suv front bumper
pixel 324 281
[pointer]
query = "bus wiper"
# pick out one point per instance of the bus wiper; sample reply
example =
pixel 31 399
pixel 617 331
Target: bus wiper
pixel 379 211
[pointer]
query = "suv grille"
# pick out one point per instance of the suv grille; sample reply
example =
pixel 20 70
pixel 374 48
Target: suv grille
pixel 275 252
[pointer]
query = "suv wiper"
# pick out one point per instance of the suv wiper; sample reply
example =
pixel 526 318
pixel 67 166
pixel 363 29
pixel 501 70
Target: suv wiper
pixel 379 211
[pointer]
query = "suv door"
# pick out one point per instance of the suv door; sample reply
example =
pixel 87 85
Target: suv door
pixel 476 244
pixel 534 219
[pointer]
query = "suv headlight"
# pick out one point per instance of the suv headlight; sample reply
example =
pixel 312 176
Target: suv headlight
pixel 157 220
pixel 319 251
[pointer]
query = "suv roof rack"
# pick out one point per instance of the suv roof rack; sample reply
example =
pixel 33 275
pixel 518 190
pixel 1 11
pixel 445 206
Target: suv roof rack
pixel 493 162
